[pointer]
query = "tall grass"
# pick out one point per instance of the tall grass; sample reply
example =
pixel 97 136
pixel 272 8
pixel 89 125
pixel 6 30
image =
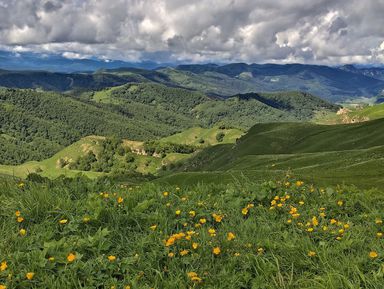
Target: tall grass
pixel 152 234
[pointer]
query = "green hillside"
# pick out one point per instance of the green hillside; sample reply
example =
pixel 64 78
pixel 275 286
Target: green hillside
pixel 324 154
pixel 199 136
pixel 50 167
pixel 125 157
pixel 35 125
pixel 353 114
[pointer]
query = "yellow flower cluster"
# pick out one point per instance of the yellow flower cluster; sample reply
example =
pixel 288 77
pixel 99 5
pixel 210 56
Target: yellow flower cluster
pixel 194 277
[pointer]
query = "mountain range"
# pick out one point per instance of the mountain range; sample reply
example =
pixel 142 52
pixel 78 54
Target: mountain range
pixel 336 84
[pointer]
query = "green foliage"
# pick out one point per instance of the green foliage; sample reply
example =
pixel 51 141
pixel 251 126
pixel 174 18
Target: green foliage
pixel 317 153
pixel 161 148
pixel 268 248
pixel 220 137
pixel 35 125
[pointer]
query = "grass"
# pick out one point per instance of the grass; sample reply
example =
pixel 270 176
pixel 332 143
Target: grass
pixel 279 234
pixel 49 167
pixel 194 135
pixel 144 164
pixel 367 113
pixel 317 153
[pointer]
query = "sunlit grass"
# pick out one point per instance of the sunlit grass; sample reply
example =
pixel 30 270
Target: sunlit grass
pixel 280 234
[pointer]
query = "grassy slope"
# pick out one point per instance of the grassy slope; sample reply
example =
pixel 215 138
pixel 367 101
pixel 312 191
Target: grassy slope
pixel 49 166
pixel 145 164
pixel 324 154
pixel 355 114
pixel 193 135
pixel 266 252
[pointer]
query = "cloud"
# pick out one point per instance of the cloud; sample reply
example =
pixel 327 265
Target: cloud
pixel 316 31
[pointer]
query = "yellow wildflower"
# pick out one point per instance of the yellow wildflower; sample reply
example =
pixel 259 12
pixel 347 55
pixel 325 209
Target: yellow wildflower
pixel 231 236
pixel 20 219
pixel 3 266
pixel 184 252
pixel 212 232
pixel 218 218
pixel 120 200
pixel 315 222
pixel 203 221
pixel 237 254
pixel 216 251
pixel 301 203
pixel 192 214
pixel 195 246
pixel 311 254
pixel 171 255
pixel 63 221
pixel 22 232
pixel 71 257
pixel 30 275
pixel 165 194
pixel 3 286
pixel 373 254
pixel 86 219
pixel 17 213
pixel 51 259
pixel 299 183
pixel 379 235
pixel 333 221
pixel 194 277
pixel 340 203
pixel 378 221
pixel 178 212
pixel 244 211
pixel 260 251
pixel 111 258
pixel 310 230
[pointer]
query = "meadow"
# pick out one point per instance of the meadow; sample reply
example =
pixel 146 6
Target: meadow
pixel 74 233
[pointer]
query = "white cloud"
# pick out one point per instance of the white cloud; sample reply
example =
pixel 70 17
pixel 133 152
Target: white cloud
pixel 316 31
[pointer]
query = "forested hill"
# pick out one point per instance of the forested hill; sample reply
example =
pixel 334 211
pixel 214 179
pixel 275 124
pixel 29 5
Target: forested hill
pixel 331 83
pixel 35 125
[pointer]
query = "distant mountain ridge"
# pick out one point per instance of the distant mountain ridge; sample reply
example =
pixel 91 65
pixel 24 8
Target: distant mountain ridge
pixel 58 63
pixel 336 84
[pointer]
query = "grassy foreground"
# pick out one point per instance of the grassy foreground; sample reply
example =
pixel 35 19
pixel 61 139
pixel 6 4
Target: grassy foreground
pixel 280 234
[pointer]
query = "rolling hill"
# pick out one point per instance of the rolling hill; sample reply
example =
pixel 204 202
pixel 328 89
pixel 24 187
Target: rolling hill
pixel 320 153
pixel 353 114
pixel 132 159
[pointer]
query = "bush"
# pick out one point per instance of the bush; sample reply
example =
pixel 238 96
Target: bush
pixel 220 136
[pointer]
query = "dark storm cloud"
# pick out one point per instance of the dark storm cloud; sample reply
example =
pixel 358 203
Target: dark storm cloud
pixel 317 31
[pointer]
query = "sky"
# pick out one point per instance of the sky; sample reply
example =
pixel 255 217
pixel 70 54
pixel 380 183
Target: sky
pixel 198 31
